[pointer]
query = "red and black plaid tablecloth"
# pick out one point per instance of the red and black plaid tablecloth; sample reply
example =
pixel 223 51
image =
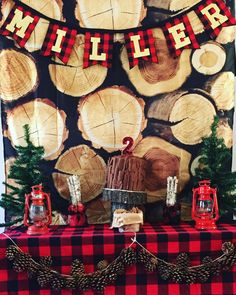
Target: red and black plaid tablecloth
pixel 94 243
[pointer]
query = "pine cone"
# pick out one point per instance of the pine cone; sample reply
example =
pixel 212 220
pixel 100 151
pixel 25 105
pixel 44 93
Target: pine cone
pixel 57 282
pixel 102 264
pixel 77 268
pixel 71 284
pixel 116 267
pixel 127 256
pixel 190 277
pixel 227 247
pixel 32 272
pixel 44 277
pixel 164 270
pixel 151 264
pixel 202 275
pixel 98 282
pixel 182 261
pixel 46 261
pixel 12 252
pixel 177 275
pixel 143 256
pixel 83 282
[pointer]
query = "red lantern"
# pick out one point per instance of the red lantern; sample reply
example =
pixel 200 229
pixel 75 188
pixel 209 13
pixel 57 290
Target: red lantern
pixel 38 211
pixel 205 206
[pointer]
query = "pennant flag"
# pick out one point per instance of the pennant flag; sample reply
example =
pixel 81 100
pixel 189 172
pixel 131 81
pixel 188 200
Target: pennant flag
pixel 140 45
pixel 179 35
pixel 19 25
pixel 59 41
pixel 214 14
pixel 98 49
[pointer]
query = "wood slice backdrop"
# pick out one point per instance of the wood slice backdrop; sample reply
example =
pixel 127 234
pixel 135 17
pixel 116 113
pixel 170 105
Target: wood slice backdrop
pixel 50 8
pixel 18 75
pixel 209 59
pixel 72 79
pixel 47 126
pixel 221 89
pixel 91 169
pixel 188 115
pixel 107 14
pixel 165 76
pixel 109 115
pixel 163 160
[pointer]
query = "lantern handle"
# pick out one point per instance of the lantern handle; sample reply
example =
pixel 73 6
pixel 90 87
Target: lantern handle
pixel 204 182
pixel 26 209
pixel 47 196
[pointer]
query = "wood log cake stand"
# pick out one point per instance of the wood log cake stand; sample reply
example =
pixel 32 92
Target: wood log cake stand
pixel 125 182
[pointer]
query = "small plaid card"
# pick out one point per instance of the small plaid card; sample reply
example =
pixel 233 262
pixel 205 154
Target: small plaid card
pixel 19 25
pixel 181 37
pixel 98 49
pixel 62 48
pixel 220 16
pixel 140 45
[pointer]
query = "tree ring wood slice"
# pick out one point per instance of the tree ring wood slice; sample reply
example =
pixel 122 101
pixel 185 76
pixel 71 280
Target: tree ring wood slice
pixel 109 115
pixel 195 115
pixel 18 75
pixel 89 166
pixel 209 59
pixel 221 88
pixel 72 79
pixel 166 76
pixel 110 14
pixel 47 126
pixel 190 112
pixel 164 159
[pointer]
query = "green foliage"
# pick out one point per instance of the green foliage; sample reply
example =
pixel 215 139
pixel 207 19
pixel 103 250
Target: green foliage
pixel 25 172
pixel 215 165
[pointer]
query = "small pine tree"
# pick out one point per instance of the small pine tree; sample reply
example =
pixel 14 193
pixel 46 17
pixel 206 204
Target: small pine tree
pixel 215 164
pixel 25 172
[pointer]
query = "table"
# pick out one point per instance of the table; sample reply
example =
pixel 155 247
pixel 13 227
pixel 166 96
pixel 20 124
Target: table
pixel 94 243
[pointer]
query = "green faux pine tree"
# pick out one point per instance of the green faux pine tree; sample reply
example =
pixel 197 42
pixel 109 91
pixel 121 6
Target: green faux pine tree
pixel 25 172
pixel 215 164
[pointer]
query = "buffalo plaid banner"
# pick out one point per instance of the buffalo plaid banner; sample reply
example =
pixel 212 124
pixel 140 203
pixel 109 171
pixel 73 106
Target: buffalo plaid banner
pixel 19 25
pixel 98 49
pixel 140 43
pixel 216 17
pixel 62 35
pixel 97 242
pixel 182 35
